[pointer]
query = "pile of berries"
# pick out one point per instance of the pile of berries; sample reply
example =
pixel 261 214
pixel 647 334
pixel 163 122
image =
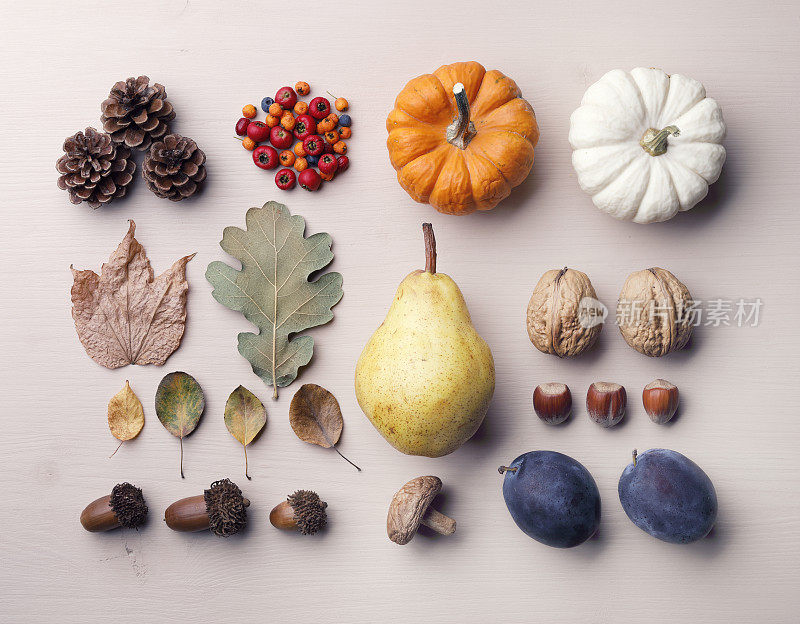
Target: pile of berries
pixel 303 135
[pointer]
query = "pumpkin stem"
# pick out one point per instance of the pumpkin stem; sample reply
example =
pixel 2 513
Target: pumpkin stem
pixel 461 131
pixel 654 142
pixel 430 249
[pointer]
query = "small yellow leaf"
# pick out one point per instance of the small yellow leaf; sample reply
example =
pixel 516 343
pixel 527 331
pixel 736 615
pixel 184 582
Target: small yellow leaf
pixel 125 414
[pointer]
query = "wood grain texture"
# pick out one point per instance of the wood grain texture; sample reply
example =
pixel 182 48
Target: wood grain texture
pixel 738 417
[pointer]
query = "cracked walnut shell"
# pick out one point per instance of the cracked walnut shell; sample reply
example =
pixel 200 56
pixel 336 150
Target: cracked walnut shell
pixel 654 312
pixel 559 320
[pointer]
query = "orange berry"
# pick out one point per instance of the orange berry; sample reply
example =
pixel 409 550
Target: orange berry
pixel 275 109
pixel 334 118
pixel 302 88
pixel 248 144
pixel 249 111
pixel 287 158
pixel 299 150
pixel 340 147
pixel 326 176
pixel 287 120
pixel 341 104
pixel 272 121
pixel 301 164
pixel 345 133
pixel 332 137
pixel 301 108
pixel 325 125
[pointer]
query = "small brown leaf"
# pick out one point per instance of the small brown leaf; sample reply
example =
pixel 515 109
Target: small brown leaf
pixel 245 417
pixel 316 418
pixel 125 415
pixel 125 315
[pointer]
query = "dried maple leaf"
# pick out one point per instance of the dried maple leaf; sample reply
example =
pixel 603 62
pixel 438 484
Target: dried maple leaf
pixel 125 316
pixel 316 418
pixel 272 289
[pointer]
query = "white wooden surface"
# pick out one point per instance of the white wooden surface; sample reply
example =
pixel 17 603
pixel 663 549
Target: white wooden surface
pixel 739 417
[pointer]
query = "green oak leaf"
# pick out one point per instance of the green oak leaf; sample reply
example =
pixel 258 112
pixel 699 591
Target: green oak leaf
pixel 245 416
pixel 179 405
pixel 272 289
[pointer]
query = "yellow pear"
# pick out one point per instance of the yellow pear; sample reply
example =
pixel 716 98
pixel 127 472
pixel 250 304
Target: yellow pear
pixel 425 378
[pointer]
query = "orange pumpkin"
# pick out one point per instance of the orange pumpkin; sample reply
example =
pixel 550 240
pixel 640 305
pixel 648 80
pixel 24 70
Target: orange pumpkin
pixel 461 138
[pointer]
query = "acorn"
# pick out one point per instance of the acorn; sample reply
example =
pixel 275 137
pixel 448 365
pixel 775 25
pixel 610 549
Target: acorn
pixel 124 507
pixel 302 511
pixel 221 508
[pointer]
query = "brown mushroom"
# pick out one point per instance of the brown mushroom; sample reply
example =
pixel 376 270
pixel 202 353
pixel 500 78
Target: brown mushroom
pixel 410 507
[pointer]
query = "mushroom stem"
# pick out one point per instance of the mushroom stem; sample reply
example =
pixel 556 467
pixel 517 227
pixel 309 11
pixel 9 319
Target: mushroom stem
pixel 438 522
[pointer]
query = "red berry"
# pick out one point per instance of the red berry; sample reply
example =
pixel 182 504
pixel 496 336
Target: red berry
pixel 241 126
pixel 309 179
pixel 327 164
pixel 286 97
pixel 281 138
pixel 265 157
pixel 313 145
pixel 319 108
pixel 258 131
pixel 304 126
pixel 343 163
pixel 285 179
pixel 328 149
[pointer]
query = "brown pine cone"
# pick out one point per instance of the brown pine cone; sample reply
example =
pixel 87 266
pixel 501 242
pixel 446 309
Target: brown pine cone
pixel 173 168
pixel 94 169
pixel 136 113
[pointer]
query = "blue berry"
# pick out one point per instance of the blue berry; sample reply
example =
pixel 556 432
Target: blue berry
pixel 312 160
pixel 266 103
pixel 344 121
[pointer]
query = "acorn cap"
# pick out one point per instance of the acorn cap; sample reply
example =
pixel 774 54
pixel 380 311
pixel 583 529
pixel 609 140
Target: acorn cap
pixel 127 502
pixel 226 507
pixel 309 511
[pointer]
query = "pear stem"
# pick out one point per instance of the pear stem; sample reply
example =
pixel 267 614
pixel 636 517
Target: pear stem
pixel 430 248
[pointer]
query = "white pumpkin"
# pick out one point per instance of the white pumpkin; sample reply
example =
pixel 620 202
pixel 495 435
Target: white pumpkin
pixel 646 144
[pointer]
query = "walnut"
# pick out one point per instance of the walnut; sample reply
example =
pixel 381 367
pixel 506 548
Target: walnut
pixel 654 312
pixel 559 319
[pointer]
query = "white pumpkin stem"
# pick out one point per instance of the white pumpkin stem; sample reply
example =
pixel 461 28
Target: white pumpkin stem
pixel 461 131
pixel 654 142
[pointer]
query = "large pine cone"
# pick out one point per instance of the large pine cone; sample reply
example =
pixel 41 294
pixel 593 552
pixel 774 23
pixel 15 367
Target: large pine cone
pixel 137 113
pixel 94 169
pixel 173 168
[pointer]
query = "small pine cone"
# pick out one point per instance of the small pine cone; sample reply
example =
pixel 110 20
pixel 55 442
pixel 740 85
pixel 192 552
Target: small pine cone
pixel 136 113
pixel 173 168
pixel 94 169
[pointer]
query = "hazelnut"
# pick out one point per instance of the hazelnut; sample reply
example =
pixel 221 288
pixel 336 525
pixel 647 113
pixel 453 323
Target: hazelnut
pixel 660 399
pixel 552 402
pixel 559 320
pixel 654 312
pixel 605 403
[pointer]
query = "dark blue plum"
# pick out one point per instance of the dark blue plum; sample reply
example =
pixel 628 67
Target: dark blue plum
pixel 668 496
pixel 345 121
pixel 266 103
pixel 552 498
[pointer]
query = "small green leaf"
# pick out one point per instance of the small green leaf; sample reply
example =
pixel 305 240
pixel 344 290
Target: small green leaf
pixel 179 405
pixel 245 416
pixel 272 289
